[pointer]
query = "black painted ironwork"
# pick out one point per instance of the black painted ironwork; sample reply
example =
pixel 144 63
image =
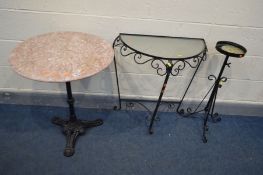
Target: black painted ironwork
pixel 115 44
pixel 169 67
pixel 163 66
pixel 229 49
pixel 73 127
pixel 189 111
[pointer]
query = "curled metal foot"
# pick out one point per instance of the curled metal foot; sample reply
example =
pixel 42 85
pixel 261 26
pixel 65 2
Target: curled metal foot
pixel 115 108
pixel 204 139
pixel 215 118
pixel 181 112
pixel 151 131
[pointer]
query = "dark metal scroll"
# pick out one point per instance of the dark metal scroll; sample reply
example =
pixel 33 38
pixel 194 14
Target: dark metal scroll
pixel 189 111
pixel 159 64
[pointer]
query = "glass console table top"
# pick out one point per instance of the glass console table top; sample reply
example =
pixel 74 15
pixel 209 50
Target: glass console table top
pixel 61 56
pixel 164 47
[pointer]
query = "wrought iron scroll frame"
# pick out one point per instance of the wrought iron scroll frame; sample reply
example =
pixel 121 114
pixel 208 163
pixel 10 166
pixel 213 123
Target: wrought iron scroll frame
pixel 160 65
pixel 189 111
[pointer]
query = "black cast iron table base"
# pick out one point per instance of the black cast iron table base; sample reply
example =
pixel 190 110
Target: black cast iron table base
pixel 73 127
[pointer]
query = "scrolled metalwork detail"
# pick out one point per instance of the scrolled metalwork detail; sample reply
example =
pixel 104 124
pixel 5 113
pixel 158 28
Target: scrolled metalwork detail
pixel 189 110
pixel 211 77
pixel 140 59
pixel 137 56
pixel 117 42
pixel 223 79
pixel 159 64
pixel 194 62
pixel 204 56
pixel 177 67
pixel 171 106
pixel 124 51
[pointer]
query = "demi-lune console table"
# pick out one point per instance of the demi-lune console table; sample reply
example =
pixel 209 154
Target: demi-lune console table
pixel 167 55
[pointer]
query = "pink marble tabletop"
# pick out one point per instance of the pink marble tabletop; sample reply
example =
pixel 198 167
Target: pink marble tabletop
pixel 61 56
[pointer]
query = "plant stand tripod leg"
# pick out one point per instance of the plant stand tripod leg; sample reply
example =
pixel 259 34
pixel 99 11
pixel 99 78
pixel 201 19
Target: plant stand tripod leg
pixel 205 127
pixel 211 102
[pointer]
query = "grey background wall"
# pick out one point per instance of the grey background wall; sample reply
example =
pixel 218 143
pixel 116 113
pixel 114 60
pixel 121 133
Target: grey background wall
pixel 235 20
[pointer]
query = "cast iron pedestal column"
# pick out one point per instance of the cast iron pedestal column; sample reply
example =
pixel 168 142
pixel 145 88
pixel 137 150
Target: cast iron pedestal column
pixel 73 127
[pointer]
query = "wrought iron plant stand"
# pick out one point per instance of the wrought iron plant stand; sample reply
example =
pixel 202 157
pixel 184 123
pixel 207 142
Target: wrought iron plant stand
pixel 229 49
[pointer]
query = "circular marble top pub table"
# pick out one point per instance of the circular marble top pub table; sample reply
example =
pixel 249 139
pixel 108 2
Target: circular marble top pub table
pixel 63 57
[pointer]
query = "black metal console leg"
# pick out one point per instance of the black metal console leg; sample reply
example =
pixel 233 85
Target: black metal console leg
pixel 73 127
pixel 168 72
pixel 117 78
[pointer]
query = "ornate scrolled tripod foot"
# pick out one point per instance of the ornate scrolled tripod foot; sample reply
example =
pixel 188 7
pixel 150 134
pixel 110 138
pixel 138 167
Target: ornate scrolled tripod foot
pixel 150 131
pixel 72 129
pixel 215 118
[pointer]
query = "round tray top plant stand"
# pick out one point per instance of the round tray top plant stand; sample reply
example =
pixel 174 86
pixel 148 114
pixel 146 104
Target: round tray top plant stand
pixel 229 49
